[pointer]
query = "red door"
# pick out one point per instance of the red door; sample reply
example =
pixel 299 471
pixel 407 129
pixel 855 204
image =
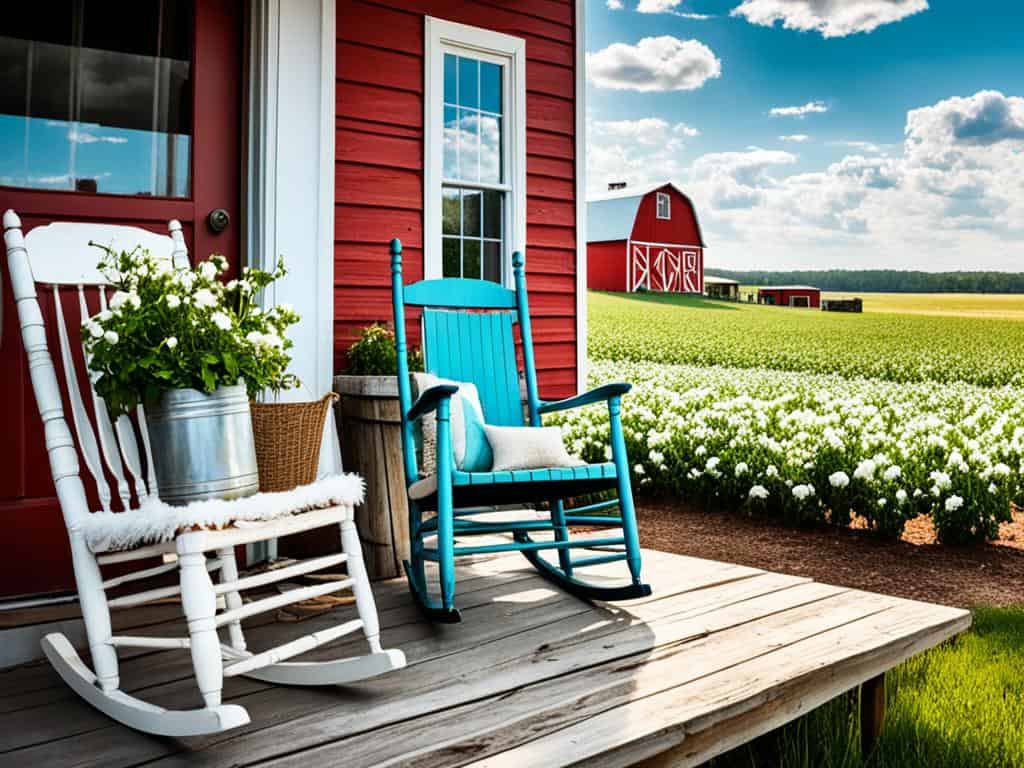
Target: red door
pixel 125 113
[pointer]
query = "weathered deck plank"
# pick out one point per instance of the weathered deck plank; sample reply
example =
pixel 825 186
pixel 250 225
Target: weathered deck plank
pixel 717 655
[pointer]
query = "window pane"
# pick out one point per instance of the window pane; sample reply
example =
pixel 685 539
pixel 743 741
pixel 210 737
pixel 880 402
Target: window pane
pixel 450 209
pixel 110 111
pixel 492 262
pixel 490 149
pixel 490 87
pixel 471 259
pixel 471 213
pixel 469 95
pixel 451 263
pixel 450 154
pixel 492 214
pixel 450 81
pixel 469 145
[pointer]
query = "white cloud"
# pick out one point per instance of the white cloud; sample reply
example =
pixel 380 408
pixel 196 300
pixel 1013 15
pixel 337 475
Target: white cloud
pixel 78 136
pixel 796 138
pixel 614 5
pixel 634 151
pixel 668 6
pixel 649 131
pixel 863 146
pixel 832 18
pixel 662 63
pixel 810 108
pixel 950 199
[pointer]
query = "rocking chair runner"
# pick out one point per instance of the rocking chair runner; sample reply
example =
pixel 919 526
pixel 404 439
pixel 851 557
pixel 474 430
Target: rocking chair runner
pixel 58 256
pixel 478 346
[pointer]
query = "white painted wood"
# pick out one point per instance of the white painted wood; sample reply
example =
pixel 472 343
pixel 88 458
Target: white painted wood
pixel 290 206
pixel 290 597
pixel 291 649
pixel 116 450
pixel 83 427
pixel 441 36
pixel 279 574
pixel 133 712
pixel 134 641
pixel 580 94
pixel 229 588
pixel 60 254
pixel 100 415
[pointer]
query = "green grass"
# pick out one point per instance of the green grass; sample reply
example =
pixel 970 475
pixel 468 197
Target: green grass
pixel 960 705
pixel 670 328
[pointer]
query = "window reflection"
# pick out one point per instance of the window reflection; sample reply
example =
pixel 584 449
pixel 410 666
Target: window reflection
pixel 473 200
pixel 97 97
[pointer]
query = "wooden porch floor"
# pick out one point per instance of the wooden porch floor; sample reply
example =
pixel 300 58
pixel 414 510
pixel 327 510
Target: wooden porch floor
pixel 532 677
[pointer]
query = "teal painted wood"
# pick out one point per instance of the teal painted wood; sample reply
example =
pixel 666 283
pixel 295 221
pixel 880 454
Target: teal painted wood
pixel 553 474
pixel 598 395
pixel 526 331
pixel 629 527
pixel 582 562
pixel 478 348
pixel 404 388
pixel 459 293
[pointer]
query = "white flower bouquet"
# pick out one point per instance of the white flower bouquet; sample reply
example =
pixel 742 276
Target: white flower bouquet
pixel 166 328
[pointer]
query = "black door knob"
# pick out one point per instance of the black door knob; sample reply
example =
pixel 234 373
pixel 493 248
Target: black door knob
pixel 218 219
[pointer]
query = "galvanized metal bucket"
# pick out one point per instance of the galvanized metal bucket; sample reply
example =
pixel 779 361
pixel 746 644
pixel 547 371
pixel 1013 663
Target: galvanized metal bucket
pixel 203 445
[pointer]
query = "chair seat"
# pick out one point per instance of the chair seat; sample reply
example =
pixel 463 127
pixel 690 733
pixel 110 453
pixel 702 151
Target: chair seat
pixel 521 485
pixel 155 522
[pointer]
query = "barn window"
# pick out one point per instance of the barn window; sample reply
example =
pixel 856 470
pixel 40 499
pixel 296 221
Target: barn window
pixel 664 206
pixel 474 151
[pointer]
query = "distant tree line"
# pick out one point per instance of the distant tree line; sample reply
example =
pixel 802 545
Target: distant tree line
pixel 883 280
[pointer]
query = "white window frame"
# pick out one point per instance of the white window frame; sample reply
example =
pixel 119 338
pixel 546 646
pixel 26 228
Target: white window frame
pixel 668 205
pixel 443 37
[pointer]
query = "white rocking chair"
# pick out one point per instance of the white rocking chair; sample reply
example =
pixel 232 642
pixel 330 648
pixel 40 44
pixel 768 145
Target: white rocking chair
pixel 55 256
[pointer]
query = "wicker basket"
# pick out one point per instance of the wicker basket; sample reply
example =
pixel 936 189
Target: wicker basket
pixel 288 437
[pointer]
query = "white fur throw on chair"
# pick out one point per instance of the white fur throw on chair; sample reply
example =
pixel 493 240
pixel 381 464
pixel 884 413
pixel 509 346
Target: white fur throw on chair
pixel 155 522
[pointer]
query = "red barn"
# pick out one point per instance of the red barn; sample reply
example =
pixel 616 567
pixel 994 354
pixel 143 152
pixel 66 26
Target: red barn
pixel 455 125
pixel 789 296
pixel 644 239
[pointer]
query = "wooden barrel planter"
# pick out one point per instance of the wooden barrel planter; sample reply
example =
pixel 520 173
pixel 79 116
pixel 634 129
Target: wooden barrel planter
pixel 371 445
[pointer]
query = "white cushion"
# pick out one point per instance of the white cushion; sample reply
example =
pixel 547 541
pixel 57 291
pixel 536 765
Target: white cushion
pixel 428 422
pixel 528 448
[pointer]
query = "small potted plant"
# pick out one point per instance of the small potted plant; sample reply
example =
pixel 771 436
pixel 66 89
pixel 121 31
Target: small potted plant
pixel 371 445
pixel 193 350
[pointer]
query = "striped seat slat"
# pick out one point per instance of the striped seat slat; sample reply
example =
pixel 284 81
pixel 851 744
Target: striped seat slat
pixel 550 475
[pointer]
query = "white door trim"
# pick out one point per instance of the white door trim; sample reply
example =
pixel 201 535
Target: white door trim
pixel 290 169
pixel 581 197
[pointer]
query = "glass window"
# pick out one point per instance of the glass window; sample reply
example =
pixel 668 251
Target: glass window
pixel 97 97
pixel 664 206
pixel 474 187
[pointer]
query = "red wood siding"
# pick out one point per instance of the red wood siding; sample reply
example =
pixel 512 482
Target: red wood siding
pixel 379 175
pixel 606 266
pixel 782 296
pixel 681 229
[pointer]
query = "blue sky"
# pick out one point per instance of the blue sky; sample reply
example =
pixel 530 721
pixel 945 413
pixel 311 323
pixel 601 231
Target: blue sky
pixel 897 141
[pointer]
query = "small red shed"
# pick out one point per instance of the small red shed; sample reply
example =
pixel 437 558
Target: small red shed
pixel 644 239
pixel 789 296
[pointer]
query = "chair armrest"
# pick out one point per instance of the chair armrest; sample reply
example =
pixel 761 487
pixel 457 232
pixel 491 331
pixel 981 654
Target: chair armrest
pixel 429 400
pixel 598 395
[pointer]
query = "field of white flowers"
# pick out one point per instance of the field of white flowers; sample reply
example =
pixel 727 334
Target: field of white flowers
pixel 814 447
pixel 895 347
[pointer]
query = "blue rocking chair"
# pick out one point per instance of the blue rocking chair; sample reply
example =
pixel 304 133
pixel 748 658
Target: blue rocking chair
pixel 468 336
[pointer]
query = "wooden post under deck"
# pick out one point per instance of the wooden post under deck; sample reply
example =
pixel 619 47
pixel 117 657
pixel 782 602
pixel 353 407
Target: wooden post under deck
pixel 872 713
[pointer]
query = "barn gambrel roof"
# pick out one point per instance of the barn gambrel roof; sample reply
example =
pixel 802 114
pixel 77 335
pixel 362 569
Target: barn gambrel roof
pixel 610 215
